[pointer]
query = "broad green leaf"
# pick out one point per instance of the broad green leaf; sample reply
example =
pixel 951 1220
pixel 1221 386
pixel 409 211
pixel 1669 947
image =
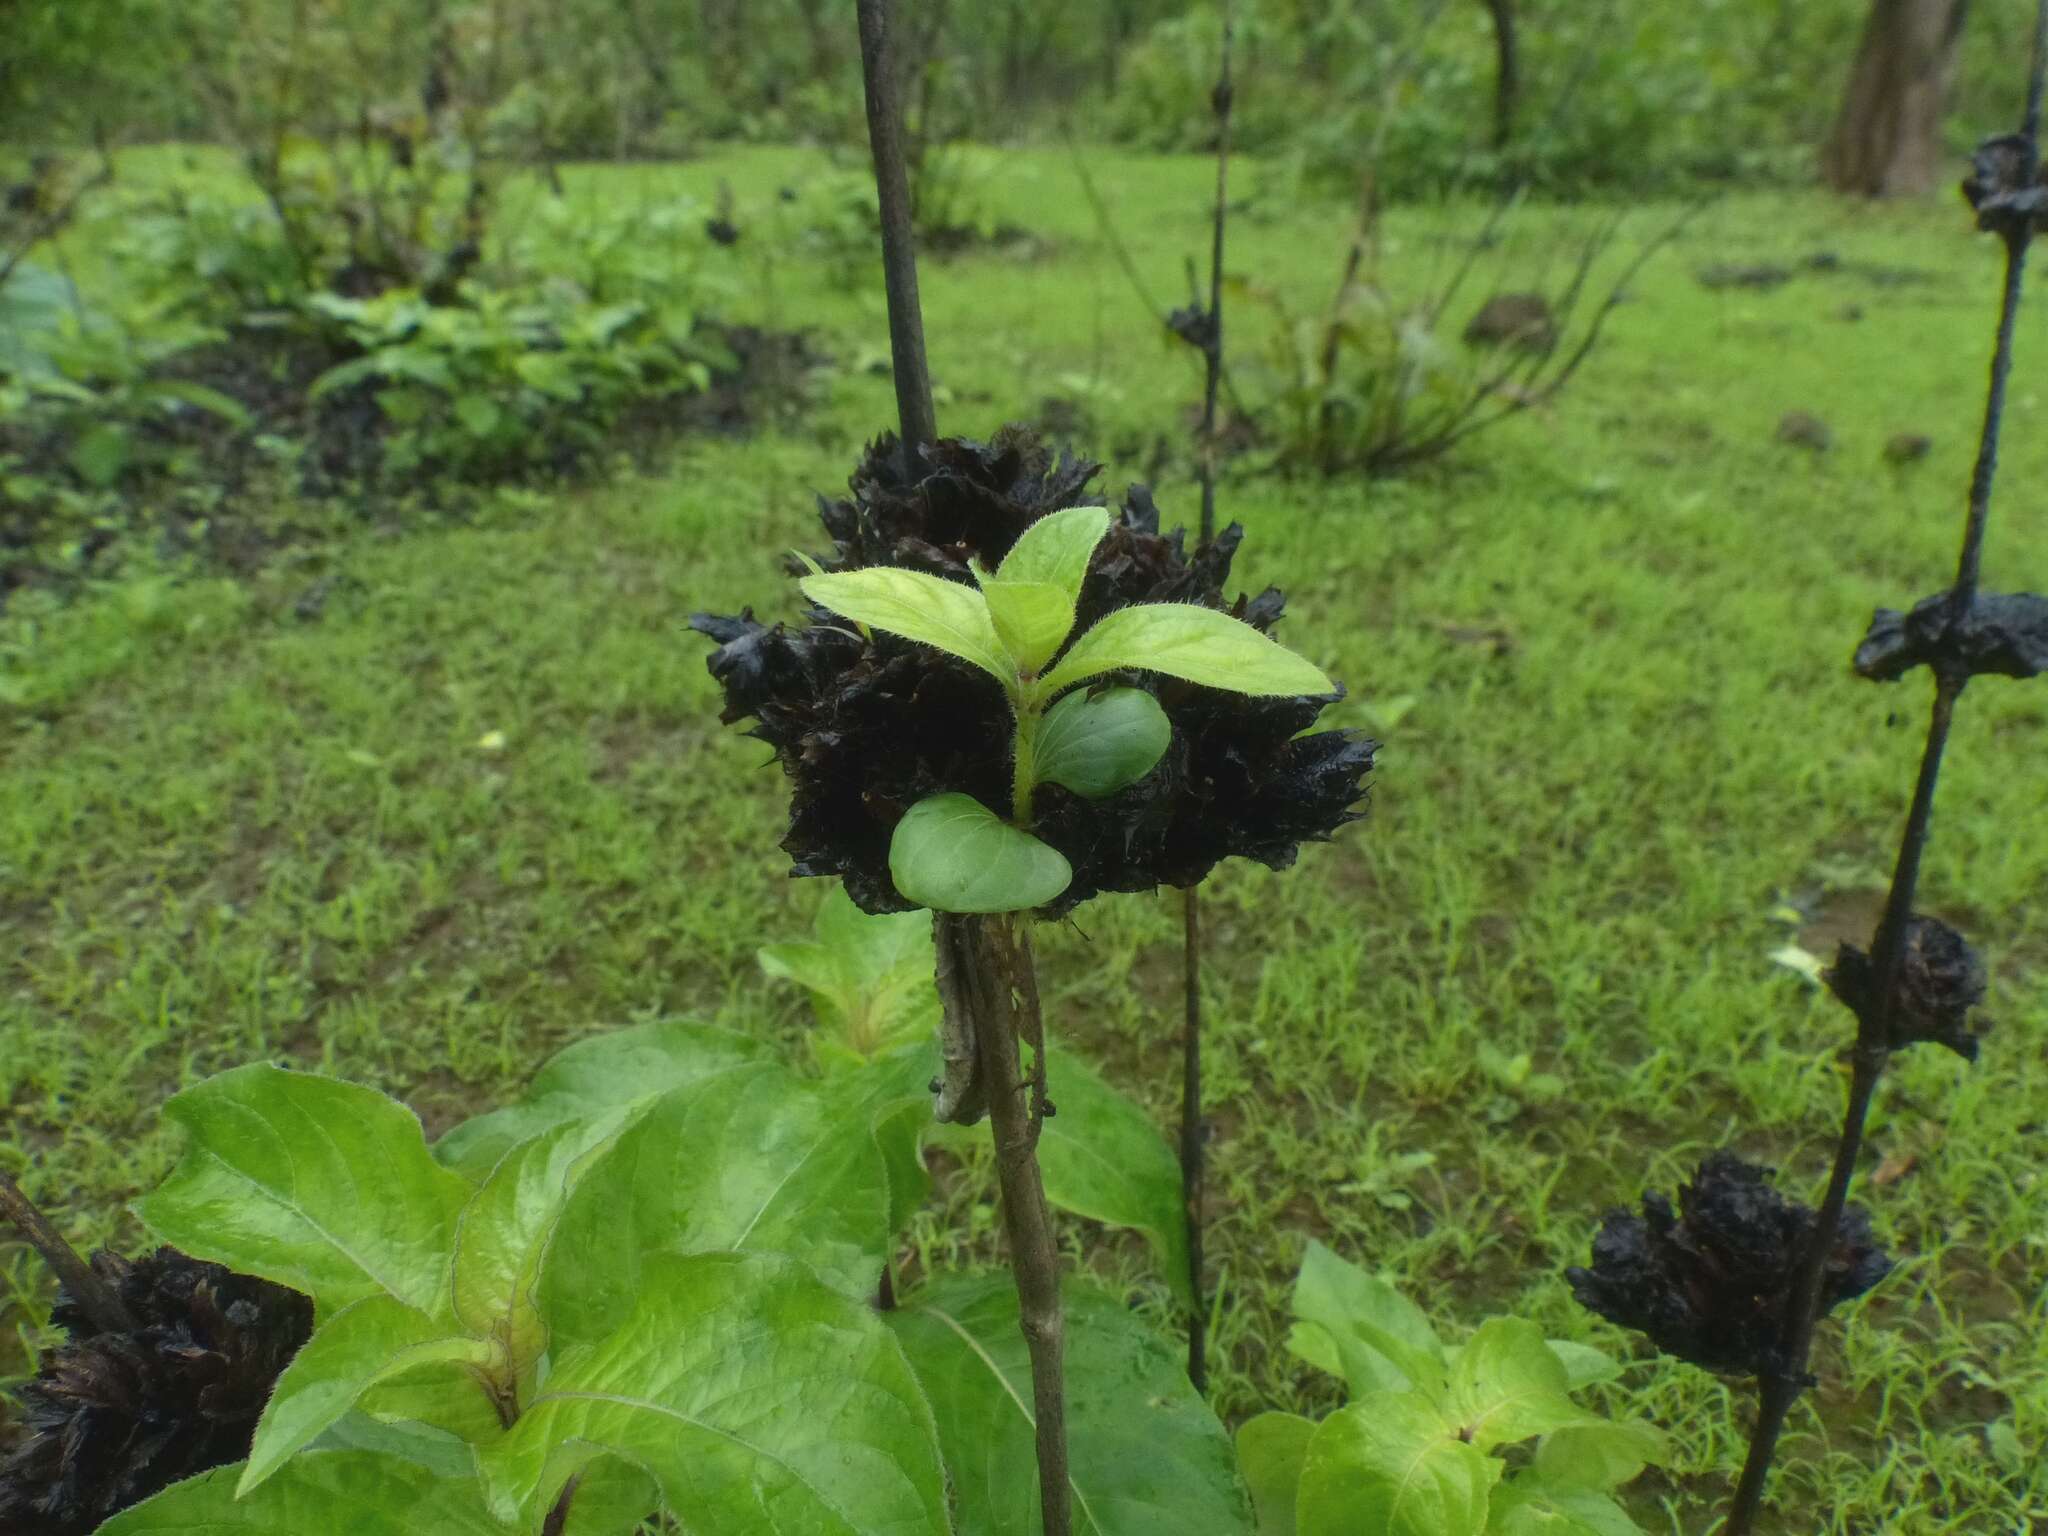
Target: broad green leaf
pixel 942 614
pixel 1598 1454
pixel 1391 1465
pixel 324 1186
pixel 319 1493
pixel 1182 640
pixel 614 1498
pixel 1526 1506
pixel 1055 551
pixel 1270 1451
pixel 953 854
pixel 600 1073
pixel 751 1160
pixel 891 1095
pixel 1032 619
pixel 1584 1365
pixel 1507 1385
pixel 204 398
pixel 1148 1458
pixel 1103 1158
pixel 1380 1339
pixel 370 1341
pixel 1096 745
pixel 504 1231
pixel 760 1400
pixel 869 977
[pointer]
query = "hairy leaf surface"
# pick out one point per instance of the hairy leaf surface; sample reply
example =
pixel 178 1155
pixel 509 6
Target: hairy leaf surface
pixel 1187 641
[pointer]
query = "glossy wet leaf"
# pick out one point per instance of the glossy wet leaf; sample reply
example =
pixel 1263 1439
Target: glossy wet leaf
pixel 1507 1385
pixel 760 1399
pixel 370 1341
pixel 1360 1327
pixel 1271 1449
pixel 953 854
pixel 1186 641
pixel 1391 1465
pixel 751 1160
pixel 1098 744
pixel 318 1493
pixel 603 1072
pixel 1148 1458
pixel 324 1186
pixel 943 614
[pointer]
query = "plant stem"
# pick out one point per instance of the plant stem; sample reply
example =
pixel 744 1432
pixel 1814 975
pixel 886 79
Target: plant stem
pixel 998 986
pixel 899 248
pixel 1876 1027
pixel 557 1521
pixel 88 1292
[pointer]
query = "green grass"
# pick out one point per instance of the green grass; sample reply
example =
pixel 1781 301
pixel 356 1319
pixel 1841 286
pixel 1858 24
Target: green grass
pixel 227 833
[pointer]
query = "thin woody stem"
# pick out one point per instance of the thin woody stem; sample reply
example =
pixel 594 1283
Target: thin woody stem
pixel 88 1292
pixel 899 247
pixel 1877 1024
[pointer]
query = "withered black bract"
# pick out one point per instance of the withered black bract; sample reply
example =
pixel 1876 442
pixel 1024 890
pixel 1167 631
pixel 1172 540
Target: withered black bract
pixel 112 1418
pixel 1940 980
pixel 2003 634
pixel 1710 1281
pixel 867 728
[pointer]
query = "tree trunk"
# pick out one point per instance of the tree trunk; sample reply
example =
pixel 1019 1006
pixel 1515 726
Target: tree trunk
pixel 1507 71
pixel 1887 140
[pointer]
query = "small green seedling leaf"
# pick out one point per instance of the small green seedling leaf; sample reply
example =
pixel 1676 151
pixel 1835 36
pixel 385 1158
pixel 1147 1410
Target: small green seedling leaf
pixel 375 1340
pixel 1392 1465
pixel 1379 1338
pixel 869 976
pixel 1507 1386
pixel 1584 1365
pixel 1098 744
pixel 1056 550
pixel 953 854
pixel 941 614
pixel 1032 619
pixel 1197 644
pixel 1271 1450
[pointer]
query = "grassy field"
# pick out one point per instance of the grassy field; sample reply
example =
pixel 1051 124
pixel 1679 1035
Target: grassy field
pixel 480 804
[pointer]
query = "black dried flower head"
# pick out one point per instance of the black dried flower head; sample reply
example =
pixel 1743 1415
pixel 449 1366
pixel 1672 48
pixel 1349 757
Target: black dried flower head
pixel 2001 634
pixel 2005 186
pixel 112 1418
pixel 1710 1281
pixel 866 728
pixel 1941 979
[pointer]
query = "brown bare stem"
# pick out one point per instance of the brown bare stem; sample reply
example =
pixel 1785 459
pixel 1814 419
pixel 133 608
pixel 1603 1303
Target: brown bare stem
pixel 996 985
pixel 557 1521
pixel 88 1292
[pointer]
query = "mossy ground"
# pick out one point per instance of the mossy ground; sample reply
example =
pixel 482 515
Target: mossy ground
pixel 478 803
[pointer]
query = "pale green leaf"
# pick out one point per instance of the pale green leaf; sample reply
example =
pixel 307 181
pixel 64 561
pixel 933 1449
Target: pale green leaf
pixel 320 1493
pixel 504 1232
pixel 1391 1465
pixel 891 1095
pixel 953 854
pixel 1584 1365
pixel 1032 619
pixel 753 1160
pixel 869 977
pixel 600 1073
pixel 1056 549
pixel 1182 640
pixel 1527 1506
pixel 323 1186
pixel 760 1400
pixel 1147 1457
pixel 1098 744
pixel 942 614
pixel 1271 1449
pixel 1382 1340
pixel 1507 1385
pixel 371 1341
pixel 1599 1453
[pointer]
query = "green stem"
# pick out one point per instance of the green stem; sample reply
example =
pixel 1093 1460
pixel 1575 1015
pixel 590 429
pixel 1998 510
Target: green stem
pixel 1024 781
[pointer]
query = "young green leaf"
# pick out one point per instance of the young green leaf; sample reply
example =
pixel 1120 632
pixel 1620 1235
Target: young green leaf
pixel 600 1073
pixel 756 1396
pixel 1182 640
pixel 1380 1340
pixel 1598 1453
pixel 1032 619
pixel 753 1160
pixel 324 1186
pixel 1055 550
pixel 1507 1385
pixel 1392 1465
pixel 1148 1457
pixel 1527 1506
pixel 942 614
pixel 1584 1366
pixel 1096 745
pixel 359 1492
pixel 869 977
pixel 370 1341
pixel 1271 1449
pixel 953 854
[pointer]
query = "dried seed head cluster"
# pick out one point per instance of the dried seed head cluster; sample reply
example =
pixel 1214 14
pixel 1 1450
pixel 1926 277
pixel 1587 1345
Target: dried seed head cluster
pixel 1941 978
pixel 1710 1281
pixel 867 726
pixel 112 1418
pixel 2006 187
pixel 2002 634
